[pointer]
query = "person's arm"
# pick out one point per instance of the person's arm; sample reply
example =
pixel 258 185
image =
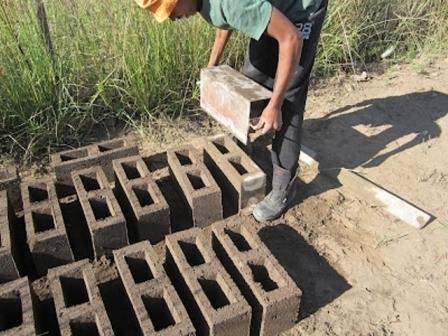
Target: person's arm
pixel 290 48
pixel 221 38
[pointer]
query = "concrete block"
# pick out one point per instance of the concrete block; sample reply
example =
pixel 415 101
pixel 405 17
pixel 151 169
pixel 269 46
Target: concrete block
pixel 10 181
pixel 8 248
pixel 45 228
pixel 145 206
pixel 99 154
pixel 232 99
pixel 212 299
pixel 234 169
pixel 157 305
pixel 105 220
pixel 271 292
pixel 79 306
pixel 17 309
pixel 198 185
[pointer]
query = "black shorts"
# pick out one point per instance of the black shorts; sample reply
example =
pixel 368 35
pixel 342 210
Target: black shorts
pixel 262 56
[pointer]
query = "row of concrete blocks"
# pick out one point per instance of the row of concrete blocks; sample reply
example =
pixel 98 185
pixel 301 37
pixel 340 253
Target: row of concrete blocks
pixel 137 205
pixel 227 284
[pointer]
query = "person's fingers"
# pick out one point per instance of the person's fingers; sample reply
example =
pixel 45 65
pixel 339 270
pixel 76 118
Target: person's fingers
pixel 266 128
pixel 260 124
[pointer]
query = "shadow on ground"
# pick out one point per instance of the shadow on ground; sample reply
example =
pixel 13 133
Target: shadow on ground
pixel 319 282
pixel 390 119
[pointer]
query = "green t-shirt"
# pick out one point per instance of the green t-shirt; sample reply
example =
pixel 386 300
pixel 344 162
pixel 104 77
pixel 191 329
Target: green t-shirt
pixel 251 17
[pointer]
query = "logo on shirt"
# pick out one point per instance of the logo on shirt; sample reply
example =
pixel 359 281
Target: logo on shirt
pixel 305 29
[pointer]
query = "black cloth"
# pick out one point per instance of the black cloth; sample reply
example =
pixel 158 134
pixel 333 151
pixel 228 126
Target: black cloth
pixel 261 65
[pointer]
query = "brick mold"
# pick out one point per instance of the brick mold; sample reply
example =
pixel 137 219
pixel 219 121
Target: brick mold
pixel 17 309
pixel 198 185
pixel 79 306
pixel 99 154
pixel 154 299
pixel 272 293
pixel 45 228
pixel 142 201
pixel 235 170
pixel 8 248
pixel 105 219
pixel 212 299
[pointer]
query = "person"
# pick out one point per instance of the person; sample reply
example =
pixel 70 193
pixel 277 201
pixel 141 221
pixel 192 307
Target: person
pixel 284 37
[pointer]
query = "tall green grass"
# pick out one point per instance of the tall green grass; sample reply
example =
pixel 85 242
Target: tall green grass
pixel 112 61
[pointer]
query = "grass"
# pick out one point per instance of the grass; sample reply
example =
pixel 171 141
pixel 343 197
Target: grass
pixel 111 61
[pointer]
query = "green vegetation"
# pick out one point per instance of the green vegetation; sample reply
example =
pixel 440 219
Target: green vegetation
pixel 112 61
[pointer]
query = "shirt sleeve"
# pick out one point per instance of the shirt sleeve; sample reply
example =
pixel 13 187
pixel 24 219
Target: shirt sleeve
pixel 250 17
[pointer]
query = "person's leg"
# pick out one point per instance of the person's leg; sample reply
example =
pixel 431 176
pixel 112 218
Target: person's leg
pixel 260 65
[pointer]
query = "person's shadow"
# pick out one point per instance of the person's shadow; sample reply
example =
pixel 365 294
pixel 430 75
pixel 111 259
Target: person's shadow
pixel 408 120
pixel 399 122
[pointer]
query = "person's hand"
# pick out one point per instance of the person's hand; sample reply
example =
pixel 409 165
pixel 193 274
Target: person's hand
pixel 271 119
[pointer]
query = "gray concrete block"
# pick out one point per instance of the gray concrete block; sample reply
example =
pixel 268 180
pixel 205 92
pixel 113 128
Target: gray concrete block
pixel 232 99
pixel 156 303
pixel 100 154
pixel 212 299
pixel 105 219
pixel 145 206
pixel 17 309
pixel 197 184
pixel 8 248
pixel 45 228
pixel 79 306
pixel 235 170
pixel 271 292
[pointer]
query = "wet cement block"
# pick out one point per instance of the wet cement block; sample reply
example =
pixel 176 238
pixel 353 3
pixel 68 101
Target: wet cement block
pixel 17 309
pixel 232 98
pixel 8 248
pixel 235 170
pixel 105 220
pixel 200 189
pixel 100 154
pixel 10 181
pixel 79 306
pixel 144 205
pixel 271 292
pixel 156 304
pixel 45 228
pixel 212 299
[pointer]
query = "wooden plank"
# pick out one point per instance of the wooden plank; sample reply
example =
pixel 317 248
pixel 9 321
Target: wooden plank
pixel 390 202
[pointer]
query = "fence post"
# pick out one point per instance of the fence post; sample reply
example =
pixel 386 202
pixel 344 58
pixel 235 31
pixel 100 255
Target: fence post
pixel 43 22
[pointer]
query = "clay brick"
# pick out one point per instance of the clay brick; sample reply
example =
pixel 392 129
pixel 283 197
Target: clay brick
pixel 233 168
pixel 198 185
pixel 8 248
pixel 271 292
pixel 79 306
pixel 17 309
pixel 103 214
pixel 142 200
pixel 45 229
pixel 99 154
pixel 232 99
pixel 10 181
pixel 155 301
pixel 212 299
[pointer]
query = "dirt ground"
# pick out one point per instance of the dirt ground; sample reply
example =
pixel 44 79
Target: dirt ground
pixel 362 271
